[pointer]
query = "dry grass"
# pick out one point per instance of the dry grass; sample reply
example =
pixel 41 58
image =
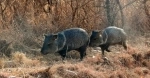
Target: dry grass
pixel 121 65
pixel 21 59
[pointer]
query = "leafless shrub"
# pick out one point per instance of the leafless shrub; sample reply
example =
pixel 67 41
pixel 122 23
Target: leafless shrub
pixel 5 48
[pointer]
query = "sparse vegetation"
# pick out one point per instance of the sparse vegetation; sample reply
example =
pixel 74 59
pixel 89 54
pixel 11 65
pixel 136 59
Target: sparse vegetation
pixel 23 23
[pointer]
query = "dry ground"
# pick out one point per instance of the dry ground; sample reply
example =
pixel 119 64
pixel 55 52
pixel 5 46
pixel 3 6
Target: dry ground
pixel 134 63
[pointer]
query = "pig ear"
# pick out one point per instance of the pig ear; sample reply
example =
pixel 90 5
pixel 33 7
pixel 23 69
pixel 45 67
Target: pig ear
pixel 93 31
pixel 99 31
pixel 44 35
pixel 55 36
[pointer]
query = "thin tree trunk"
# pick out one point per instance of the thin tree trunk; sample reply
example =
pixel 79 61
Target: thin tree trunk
pixel 108 12
pixel 121 12
pixel 146 9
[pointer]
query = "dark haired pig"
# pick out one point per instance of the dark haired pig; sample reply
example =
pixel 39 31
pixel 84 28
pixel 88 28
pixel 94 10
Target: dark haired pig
pixel 67 40
pixel 110 36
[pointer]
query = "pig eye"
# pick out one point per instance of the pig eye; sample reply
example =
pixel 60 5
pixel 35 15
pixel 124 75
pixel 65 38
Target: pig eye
pixel 49 44
pixel 95 39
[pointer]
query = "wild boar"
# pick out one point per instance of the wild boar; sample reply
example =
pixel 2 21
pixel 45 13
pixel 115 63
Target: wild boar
pixel 110 36
pixel 65 41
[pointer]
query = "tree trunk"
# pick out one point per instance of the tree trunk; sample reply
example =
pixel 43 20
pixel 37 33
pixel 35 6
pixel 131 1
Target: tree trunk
pixel 108 13
pixel 121 12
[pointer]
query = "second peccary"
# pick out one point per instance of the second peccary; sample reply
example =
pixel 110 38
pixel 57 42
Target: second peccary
pixel 110 36
pixel 67 40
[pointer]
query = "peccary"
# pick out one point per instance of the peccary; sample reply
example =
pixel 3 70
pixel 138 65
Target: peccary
pixel 65 41
pixel 110 36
